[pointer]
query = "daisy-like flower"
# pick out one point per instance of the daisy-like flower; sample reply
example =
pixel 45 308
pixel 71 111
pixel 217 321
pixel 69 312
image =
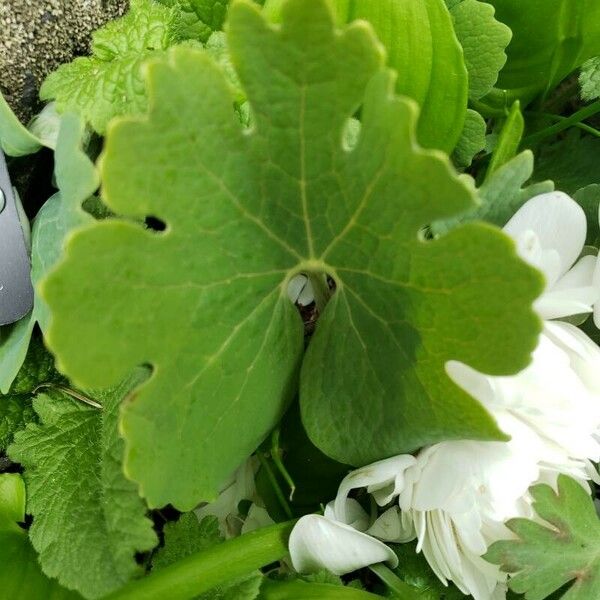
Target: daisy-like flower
pixel 454 497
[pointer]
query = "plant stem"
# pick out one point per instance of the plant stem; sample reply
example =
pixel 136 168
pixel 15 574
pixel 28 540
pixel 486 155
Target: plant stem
pixel 275 485
pixel 488 112
pixel 299 590
pixel 558 118
pixel 402 590
pixel 566 123
pixel 209 568
pixel 276 456
pixel 320 289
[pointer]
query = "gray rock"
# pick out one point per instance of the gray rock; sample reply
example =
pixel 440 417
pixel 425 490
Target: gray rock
pixel 36 36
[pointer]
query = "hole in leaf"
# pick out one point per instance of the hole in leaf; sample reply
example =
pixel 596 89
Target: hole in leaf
pixel 155 224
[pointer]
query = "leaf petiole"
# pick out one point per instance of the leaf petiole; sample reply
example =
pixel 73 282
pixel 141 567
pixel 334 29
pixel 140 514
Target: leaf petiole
pixel 275 484
pixel 572 121
pixel 276 456
pixel 559 119
pixel 209 568
pixel 299 590
pixel 401 590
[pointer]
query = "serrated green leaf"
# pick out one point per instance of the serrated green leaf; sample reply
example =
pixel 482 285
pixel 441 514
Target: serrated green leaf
pixel 502 194
pixel 551 38
pixel 565 548
pixel 187 536
pixel 589 199
pixel 509 139
pixel 505 191
pixel 201 17
pixel 472 140
pixel 423 50
pixel 15 413
pixel 90 521
pixel 77 180
pixel 589 79
pixel 20 574
pixel 572 162
pixel 16 409
pixel 15 138
pixel 248 210
pixel 484 41
pixel 110 83
pixel 38 369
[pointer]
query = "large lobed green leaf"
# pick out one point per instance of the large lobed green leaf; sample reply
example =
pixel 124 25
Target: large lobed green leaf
pixel 563 548
pixel 89 523
pixel 205 301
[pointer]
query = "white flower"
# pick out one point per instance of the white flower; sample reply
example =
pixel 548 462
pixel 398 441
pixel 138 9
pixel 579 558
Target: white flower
pixel 240 486
pixel 454 497
pixel 257 518
pixel 550 232
pixel 318 542
pixel 300 290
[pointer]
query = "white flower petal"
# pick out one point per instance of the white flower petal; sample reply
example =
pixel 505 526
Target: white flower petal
pixel 388 527
pixel 300 290
pixel 356 515
pixel 575 293
pixel 240 486
pixel 597 285
pixel 580 276
pixel 386 476
pixel 558 222
pixel 318 543
pixel 257 518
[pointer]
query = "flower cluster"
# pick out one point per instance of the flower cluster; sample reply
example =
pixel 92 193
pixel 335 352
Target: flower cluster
pixel 454 497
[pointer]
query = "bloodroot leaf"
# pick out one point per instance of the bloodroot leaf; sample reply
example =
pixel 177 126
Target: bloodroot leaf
pixel 205 301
